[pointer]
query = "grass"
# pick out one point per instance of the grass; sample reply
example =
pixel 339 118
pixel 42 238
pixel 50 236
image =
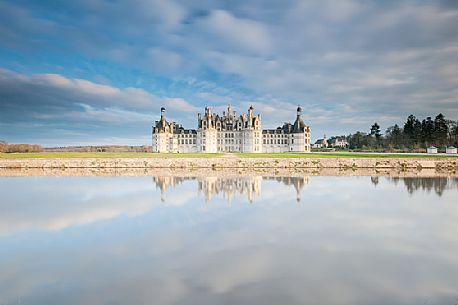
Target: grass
pixel 106 155
pixel 212 155
pixel 337 155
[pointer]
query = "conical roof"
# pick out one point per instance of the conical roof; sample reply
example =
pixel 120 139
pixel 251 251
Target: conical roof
pixel 299 125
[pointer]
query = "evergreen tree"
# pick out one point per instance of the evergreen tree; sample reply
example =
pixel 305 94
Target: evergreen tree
pixel 375 130
pixel 440 130
pixel 417 133
pixel 427 131
pixel 357 140
pixel 394 136
pixel 412 129
pixel 452 132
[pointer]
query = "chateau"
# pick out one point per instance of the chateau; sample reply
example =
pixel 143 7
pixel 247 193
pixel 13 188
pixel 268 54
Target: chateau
pixel 230 133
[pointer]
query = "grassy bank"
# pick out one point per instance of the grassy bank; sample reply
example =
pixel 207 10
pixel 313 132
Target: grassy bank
pixel 213 155
pixel 106 155
pixel 338 155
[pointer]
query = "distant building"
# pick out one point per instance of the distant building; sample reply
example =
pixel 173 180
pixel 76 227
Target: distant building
pixel 230 133
pixel 451 150
pixel 340 142
pixel 321 143
pixel 431 150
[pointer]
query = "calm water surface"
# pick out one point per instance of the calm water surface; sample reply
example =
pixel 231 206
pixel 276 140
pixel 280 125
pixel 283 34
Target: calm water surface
pixel 244 240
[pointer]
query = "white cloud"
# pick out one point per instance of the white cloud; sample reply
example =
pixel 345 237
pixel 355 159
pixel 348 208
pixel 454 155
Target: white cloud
pixel 381 59
pixel 181 105
pixel 232 32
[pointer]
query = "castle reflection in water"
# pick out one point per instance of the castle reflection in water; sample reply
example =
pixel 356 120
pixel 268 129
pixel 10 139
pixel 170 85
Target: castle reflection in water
pixel 228 187
pixel 250 186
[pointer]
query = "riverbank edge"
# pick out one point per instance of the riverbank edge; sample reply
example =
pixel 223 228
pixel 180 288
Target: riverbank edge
pixel 233 162
pixel 223 172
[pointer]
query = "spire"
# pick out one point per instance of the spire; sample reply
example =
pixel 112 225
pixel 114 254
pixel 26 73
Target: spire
pixel 229 111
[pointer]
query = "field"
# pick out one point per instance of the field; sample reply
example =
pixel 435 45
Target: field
pixel 215 155
pixel 340 155
pixel 106 155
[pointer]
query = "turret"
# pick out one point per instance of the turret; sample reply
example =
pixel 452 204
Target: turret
pixel 299 125
pixel 299 111
pixel 229 111
pixel 250 116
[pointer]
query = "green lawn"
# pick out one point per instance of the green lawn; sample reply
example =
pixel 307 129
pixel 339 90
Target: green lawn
pixel 106 155
pixel 212 155
pixel 336 155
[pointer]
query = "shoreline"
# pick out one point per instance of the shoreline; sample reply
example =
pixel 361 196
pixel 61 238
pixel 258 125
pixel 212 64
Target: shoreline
pixel 222 172
pixel 235 162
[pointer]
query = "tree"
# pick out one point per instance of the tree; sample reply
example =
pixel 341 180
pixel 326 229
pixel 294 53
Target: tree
pixel 394 136
pixel 417 133
pixel 375 130
pixel 3 146
pixel 357 140
pixel 440 130
pixel 452 132
pixel 427 131
pixel 412 129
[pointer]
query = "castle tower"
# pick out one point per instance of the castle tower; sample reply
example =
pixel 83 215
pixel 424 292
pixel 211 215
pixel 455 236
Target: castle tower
pixel 250 116
pixel 162 132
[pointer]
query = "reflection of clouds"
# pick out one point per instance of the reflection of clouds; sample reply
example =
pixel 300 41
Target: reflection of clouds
pixel 347 243
pixel 57 203
pixel 54 204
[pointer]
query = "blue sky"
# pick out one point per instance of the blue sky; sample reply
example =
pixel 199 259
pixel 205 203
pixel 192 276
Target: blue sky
pixel 97 72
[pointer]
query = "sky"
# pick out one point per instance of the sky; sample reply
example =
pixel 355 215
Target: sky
pixel 94 72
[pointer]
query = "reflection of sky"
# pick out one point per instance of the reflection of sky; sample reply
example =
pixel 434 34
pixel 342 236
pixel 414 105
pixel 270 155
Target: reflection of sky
pixel 112 241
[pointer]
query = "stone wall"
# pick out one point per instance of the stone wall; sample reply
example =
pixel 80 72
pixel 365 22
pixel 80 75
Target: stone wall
pixel 450 164
pixel 223 172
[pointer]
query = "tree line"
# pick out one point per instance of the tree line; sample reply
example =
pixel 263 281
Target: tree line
pixel 24 148
pixel 103 148
pixel 19 148
pixel 413 135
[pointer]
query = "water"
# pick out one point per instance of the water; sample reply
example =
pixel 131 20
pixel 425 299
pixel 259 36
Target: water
pixel 228 240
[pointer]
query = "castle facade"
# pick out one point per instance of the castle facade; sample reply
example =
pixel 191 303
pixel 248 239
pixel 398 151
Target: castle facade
pixel 230 133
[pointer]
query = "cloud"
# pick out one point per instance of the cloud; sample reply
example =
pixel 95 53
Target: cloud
pixel 83 111
pixel 179 104
pixel 349 61
pixel 241 34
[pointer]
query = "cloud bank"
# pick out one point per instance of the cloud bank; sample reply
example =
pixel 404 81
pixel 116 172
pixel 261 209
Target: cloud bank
pixel 348 63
